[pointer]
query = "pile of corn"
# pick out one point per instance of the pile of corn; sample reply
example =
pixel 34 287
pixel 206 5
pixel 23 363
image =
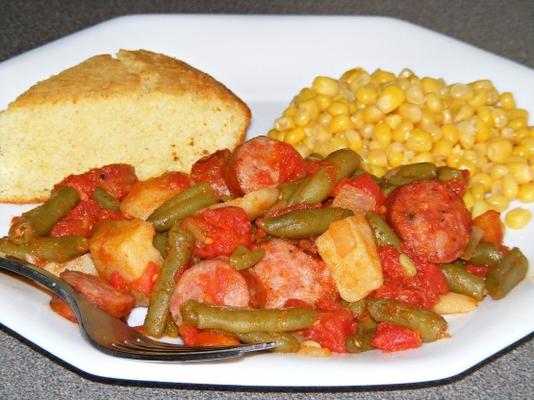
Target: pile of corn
pixel 394 120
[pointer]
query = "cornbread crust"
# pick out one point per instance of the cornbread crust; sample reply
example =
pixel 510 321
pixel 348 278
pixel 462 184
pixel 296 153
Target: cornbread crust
pixel 142 108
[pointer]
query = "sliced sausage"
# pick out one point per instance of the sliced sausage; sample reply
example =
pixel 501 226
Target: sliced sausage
pixel 263 162
pixel 213 282
pixel 60 306
pixel 100 293
pixel 211 169
pixel 287 272
pixel 431 220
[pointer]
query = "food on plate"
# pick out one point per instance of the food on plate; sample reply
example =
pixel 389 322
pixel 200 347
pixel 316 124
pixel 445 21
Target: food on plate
pixel 145 109
pixel 392 120
pixel 316 254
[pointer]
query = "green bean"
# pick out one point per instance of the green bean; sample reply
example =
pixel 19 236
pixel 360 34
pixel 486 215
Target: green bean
pixel 360 171
pixel 287 189
pixel 58 249
pixel 303 223
pixel 430 325
pixel 314 189
pixel 445 173
pixel 359 342
pixel 346 161
pixel 171 329
pixel 160 241
pixel 105 200
pixel 461 281
pixel 40 220
pixel 357 308
pixel 8 248
pixel 180 244
pixel 405 174
pixel 182 205
pixel 510 270
pixel 243 258
pixel 314 157
pixel 384 234
pixel 486 254
pixel 284 342
pixel 246 320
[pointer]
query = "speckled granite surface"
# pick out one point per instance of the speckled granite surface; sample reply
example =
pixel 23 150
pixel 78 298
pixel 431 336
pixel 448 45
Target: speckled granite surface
pixel 502 27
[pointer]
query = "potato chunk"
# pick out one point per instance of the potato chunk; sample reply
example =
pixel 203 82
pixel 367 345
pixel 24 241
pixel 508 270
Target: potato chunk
pixel 348 248
pixel 455 303
pixel 146 196
pixel 254 203
pixel 83 263
pixel 124 247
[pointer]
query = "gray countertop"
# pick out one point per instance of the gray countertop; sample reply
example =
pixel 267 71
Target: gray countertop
pixel 502 27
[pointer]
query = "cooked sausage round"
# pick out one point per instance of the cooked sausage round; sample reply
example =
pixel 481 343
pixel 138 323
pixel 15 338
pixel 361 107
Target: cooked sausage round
pixel 287 272
pixel 100 293
pixel 212 281
pixel 431 220
pixel 263 162
pixel 60 306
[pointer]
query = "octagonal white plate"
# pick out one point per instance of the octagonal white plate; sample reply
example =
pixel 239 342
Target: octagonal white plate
pixel 266 60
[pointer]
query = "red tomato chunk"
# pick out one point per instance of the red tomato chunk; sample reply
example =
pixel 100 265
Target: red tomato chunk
pixel 390 337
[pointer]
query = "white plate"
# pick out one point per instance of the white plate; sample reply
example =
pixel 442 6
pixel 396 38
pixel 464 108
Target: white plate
pixel 266 60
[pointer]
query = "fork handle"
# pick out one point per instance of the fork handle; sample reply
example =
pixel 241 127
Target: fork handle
pixel 39 275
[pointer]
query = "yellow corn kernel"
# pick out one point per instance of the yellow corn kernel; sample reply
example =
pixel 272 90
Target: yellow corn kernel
pixel 338 108
pixel 410 112
pixel 467 140
pixel 526 192
pixel 441 149
pixel 500 119
pixel 507 133
pixel 433 102
pixel 367 94
pixel 372 114
pixel 367 132
pixel 381 76
pixel 478 191
pixel 478 100
pixel 309 107
pixel 396 158
pixel 485 115
pixel 337 142
pixel 506 100
pixel 517 123
pixel 402 131
pixel 302 118
pixel 393 120
pixel 482 84
pixel 464 112
pixel 517 113
pixel 492 96
pixel 427 118
pixel 528 143
pixel 377 158
pixel 357 119
pixel 498 202
pixel 306 94
pixel 498 171
pixel 521 172
pixel 510 187
pixel 483 179
pixel 450 133
pixel 290 111
pixel 390 99
pixel 415 95
pixel 453 160
pixel 518 218
pixel 340 123
pixel 354 139
pixel 324 118
pixel 419 141
pixel 520 151
pixel 325 85
pixel 430 85
pixel 499 151
pixel 468 199
pixel 482 131
pixel 276 134
pixel 522 133
pixel 323 101
pixel 423 157
pixel 461 91
pixel 353 74
pixel 295 135
pixel 479 207
pixel 382 134
pixel 284 123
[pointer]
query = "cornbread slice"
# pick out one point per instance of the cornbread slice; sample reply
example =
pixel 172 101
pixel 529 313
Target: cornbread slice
pixel 142 108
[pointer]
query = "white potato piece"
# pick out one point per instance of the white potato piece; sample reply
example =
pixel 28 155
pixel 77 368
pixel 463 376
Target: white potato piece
pixel 354 199
pixel 455 303
pixel 84 263
pixel 146 196
pixel 348 248
pixel 254 203
pixel 124 247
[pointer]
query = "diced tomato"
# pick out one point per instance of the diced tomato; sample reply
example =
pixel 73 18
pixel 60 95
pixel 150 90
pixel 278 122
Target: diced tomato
pixel 490 223
pixel 293 165
pixel 390 337
pixel 145 283
pixel 459 185
pixel 193 336
pixel 298 303
pixel 366 184
pixel 478 270
pixel 223 230
pixel 332 329
pixel 118 282
pixel 211 169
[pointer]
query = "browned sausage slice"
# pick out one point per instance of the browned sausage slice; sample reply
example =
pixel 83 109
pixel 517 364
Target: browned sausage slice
pixel 263 162
pixel 212 281
pixel 431 219
pixel 100 293
pixel 287 272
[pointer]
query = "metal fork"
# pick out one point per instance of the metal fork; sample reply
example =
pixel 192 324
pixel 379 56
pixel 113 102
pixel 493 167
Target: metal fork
pixel 114 337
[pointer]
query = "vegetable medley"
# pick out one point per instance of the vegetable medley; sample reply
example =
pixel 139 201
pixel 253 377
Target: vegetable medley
pixel 260 244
